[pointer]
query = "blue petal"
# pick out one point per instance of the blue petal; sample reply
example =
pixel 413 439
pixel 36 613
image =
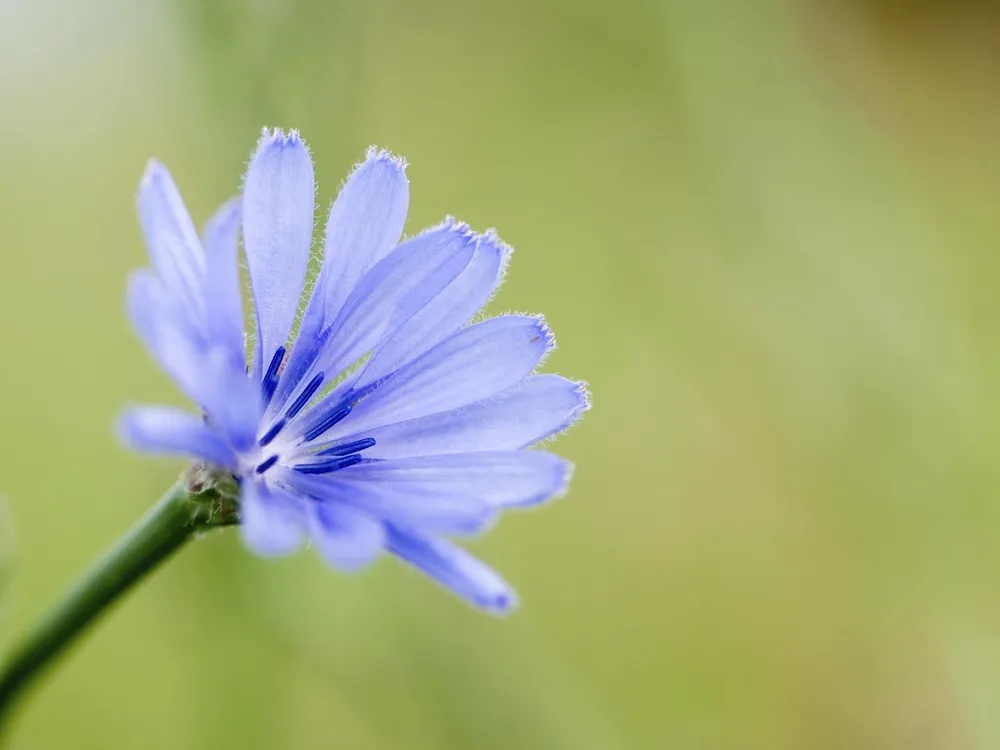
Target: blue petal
pixel 346 538
pixel 500 479
pixel 475 363
pixel 533 410
pixel 167 334
pixel 272 522
pixel 453 568
pixel 365 223
pixel 206 373
pixel 445 314
pixel 278 198
pixel 412 505
pixel 174 248
pixel 231 399
pixel 223 304
pixel 389 294
pixel 395 289
pixel 160 429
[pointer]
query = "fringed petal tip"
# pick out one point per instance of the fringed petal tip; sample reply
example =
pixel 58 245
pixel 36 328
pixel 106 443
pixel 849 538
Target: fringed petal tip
pixel 377 154
pixel 582 391
pixel 581 403
pixel 490 239
pixel 581 397
pixel 279 137
pixel 540 335
pixel 488 242
pixel 460 228
pixel 543 333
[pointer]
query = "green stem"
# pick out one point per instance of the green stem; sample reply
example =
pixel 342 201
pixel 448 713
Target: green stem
pixel 186 509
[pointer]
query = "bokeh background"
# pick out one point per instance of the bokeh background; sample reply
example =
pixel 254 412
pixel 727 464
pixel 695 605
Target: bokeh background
pixel 765 231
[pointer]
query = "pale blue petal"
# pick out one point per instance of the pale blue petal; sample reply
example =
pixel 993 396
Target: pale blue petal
pixel 501 479
pixel 278 202
pixel 272 521
pixel 174 248
pixel 167 335
pixel 205 373
pixel 475 363
pixel 160 429
pixel 443 315
pixel 536 408
pixel 365 223
pixel 412 505
pixel 231 400
pixel 389 294
pixel 346 538
pixel 223 303
pixel 396 288
pixel 144 305
pixel 453 568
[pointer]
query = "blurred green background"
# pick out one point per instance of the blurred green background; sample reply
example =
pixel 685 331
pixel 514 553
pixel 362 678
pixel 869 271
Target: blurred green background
pixel 766 231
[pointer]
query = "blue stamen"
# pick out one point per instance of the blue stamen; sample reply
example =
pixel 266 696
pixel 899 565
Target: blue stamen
pixel 272 433
pixel 346 448
pixel 265 465
pixel 270 381
pixel 326 467
pixel 331 419
pixel 304 397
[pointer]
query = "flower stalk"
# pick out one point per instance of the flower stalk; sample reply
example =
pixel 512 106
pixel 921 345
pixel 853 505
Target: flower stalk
pixel 197 502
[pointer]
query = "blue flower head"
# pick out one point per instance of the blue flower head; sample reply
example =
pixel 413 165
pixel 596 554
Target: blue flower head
pixel 390 422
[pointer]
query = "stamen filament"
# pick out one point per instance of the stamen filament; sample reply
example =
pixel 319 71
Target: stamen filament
pixel 325 467
pixel 303 399
pixel 353 447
